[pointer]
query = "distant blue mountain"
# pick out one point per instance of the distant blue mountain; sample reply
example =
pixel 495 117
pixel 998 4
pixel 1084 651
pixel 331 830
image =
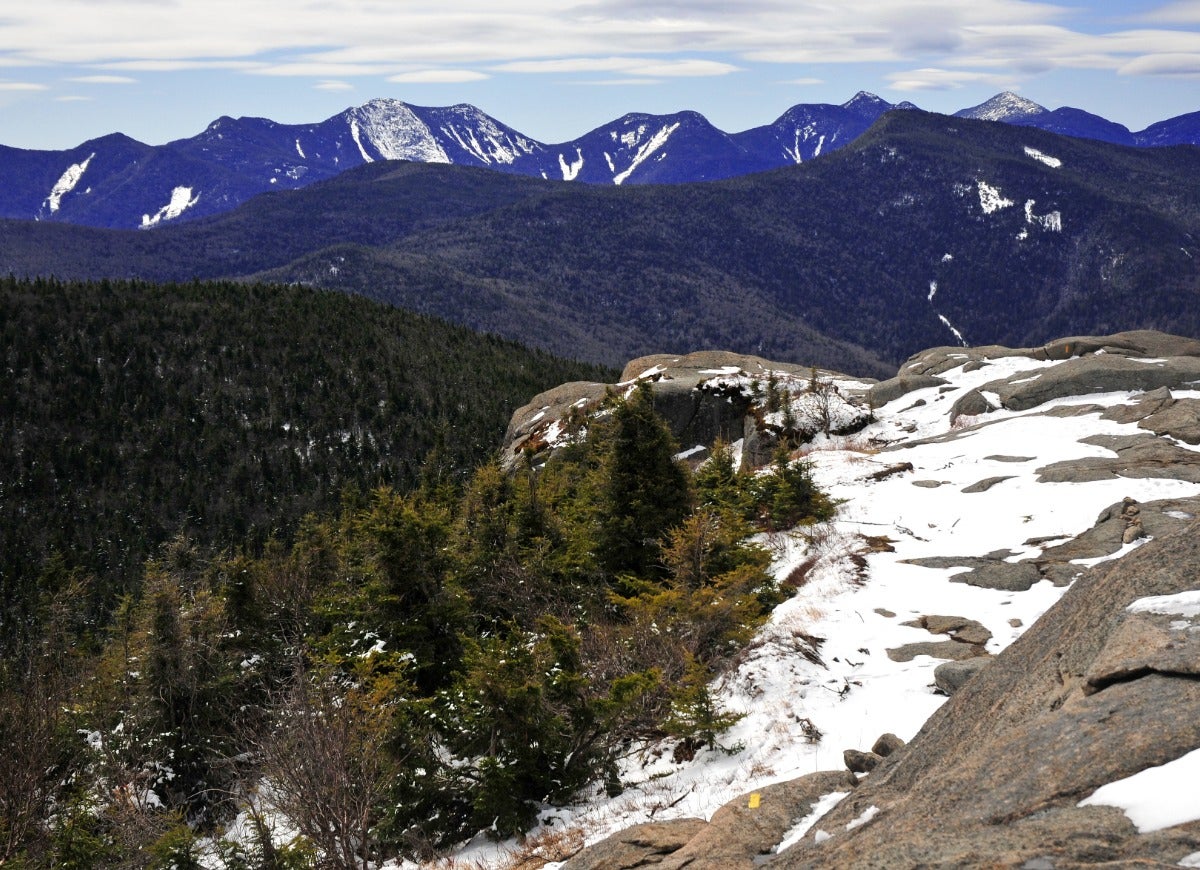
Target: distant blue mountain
pixel 115 181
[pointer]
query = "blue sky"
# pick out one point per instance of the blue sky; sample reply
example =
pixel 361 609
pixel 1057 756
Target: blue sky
pixel 71 70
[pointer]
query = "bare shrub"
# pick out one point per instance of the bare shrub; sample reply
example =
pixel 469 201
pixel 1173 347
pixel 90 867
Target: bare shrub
pixel 328 769
pixel 798 576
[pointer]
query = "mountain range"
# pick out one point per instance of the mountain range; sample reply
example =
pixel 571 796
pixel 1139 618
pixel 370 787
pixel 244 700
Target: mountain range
pixel 927 230
pixel 116 181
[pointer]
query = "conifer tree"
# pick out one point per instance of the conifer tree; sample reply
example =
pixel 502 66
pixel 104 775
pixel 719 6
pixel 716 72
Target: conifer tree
pixel 644 490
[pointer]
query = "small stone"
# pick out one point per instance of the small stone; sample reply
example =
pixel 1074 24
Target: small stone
pixel 1015 623
pixel 887 744
pixel 1133 532
pixel 861 762
pixel 986 484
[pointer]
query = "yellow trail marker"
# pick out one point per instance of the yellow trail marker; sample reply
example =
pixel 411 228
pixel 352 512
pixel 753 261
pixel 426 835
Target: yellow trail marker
pixel 755 800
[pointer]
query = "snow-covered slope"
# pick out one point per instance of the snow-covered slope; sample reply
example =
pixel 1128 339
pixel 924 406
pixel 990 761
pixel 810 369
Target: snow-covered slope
pixel 922 483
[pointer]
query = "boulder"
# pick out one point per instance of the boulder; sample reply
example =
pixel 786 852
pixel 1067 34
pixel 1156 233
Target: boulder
pixel 936 649
pixel 949 677
pixel 887 745
pixel 736 838
pixel 970 404
pixel 1138 456
pixel 860 762
pixel 890 390
pixel 957 627
pixel 1100 373
pixel 1006 576
pixel 1135 343
pixel 1146 405
pixel 1157 518
pixel 640 846
pixel 1179 420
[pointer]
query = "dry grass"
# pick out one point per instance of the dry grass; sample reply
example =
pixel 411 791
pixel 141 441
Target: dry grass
pixel 537 850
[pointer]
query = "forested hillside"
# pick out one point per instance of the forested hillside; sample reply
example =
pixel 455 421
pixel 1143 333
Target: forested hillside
pixel 407 671
pixel 131 412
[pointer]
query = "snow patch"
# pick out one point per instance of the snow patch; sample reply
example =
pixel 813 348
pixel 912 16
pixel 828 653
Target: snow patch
pixel 1181 604
pixel 867 814
pixel 932 290
pixel 181 201
pixel 300 150
pixel 950 326
pixel 1052 162
pixel 990 198
pixel 571 170
pixel 1157 797
pixel 66 183
pixel 820 807
pixel 354 134
pixel 1051 221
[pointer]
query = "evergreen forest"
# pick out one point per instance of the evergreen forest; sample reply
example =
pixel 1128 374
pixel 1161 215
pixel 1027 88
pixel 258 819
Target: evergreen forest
pixel 261 564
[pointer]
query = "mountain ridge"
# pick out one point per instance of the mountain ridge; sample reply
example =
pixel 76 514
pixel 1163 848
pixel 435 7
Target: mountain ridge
pixel 115 181
pixel 928 230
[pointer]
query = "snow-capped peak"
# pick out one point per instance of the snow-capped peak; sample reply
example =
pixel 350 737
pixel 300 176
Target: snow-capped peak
pixel 1003 107
pixel 865 102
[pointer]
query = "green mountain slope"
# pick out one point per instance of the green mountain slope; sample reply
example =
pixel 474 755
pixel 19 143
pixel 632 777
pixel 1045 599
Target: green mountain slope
pixel 129 412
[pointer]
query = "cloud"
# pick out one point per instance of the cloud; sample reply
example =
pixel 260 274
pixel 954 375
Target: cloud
pixel 803 81
pixel 103 80
pixel 618 82
pixel 447 40
pixel 933 79
pixel 333 86
pixel 1163 65
pixel 1183 12
pixel 23 86
pixel 438 76
pixel 632 66
pixel 72 98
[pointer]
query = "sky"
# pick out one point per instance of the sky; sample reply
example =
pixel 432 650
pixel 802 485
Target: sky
pixel 159 70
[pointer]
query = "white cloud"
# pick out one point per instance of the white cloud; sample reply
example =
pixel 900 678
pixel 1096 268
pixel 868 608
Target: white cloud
pixel 632 66
pixel 438 76
pixel 618 82
pixel 803 81
pixel 933 79
pixel 103 80
pixel 23 86
pixel 1163 65
pixel 72 98
pixel 424 40
pixel 333 86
